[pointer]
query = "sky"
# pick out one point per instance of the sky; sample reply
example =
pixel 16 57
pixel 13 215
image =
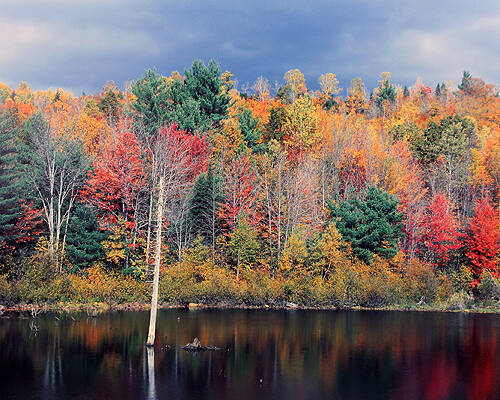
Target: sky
pixel 79 45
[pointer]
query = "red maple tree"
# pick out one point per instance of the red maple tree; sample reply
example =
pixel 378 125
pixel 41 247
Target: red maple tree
pixel 441 235
pixel 239 193
pixel 483 238
pixel 116 179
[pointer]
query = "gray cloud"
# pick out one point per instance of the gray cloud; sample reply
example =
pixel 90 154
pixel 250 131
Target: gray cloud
pixel 79 45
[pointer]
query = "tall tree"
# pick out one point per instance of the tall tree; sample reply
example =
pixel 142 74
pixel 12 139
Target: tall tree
pixel 150 105
pixel 198 102
pixel 204 205
pixel 372 225
pixel 483 238
pixel 10 180
pixel 55 166
pixel 84 238
pixel 441 236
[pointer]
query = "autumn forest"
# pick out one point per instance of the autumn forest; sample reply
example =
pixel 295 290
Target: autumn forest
pixel 256 195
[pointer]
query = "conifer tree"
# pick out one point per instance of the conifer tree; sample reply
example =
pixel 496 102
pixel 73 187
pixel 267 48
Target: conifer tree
pixel 9 180
pixel 150 106
pixel 84 238
pixel 371 224
pixel 205 201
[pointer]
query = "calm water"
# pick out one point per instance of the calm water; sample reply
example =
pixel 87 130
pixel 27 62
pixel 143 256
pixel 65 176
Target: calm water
pixel 265 355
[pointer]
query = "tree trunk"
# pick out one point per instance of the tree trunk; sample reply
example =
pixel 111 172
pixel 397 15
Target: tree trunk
pixel 156 278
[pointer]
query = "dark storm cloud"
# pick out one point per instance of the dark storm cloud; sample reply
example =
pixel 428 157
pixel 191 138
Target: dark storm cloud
pixel 82 44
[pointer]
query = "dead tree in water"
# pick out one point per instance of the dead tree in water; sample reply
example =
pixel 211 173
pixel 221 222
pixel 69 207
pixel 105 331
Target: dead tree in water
pixel 156 277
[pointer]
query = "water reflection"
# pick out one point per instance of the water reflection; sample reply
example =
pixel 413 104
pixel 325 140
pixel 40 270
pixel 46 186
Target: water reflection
pixel 265 354
pixel 151 373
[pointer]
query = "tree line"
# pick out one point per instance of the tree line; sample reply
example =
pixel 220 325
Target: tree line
pixel 292 184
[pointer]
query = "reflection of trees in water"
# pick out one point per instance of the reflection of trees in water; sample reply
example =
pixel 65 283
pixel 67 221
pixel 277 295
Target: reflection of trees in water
pixel 351 354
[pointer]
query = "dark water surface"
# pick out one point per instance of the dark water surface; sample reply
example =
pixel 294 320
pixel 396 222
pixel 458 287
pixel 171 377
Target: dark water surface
pixel 265 355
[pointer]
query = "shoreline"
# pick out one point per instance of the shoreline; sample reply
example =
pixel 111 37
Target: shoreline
pixel 99 307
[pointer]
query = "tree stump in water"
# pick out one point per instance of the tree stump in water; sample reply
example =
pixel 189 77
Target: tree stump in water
pixel 195 345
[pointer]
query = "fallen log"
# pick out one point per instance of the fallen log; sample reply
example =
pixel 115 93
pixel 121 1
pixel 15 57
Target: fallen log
pixel 195 346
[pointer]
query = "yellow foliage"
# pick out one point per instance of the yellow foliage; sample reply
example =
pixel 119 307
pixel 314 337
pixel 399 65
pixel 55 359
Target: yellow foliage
pixel 301 125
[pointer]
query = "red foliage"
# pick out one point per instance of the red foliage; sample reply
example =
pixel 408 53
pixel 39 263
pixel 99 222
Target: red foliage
pixel 483 239
pixel 441 235
pixel 116 179
pixel 182 156
pixel 29 226
pixel 239 193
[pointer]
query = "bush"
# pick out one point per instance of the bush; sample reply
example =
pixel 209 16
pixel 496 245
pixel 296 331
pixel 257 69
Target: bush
pixel 489 287
pixel 420 280
pixel 460 301
pixel 37 275
pixel 97 284
pixel 5 288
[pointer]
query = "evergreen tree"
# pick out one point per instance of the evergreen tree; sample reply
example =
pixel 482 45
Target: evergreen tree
pixel 150 107
pixel 198 101
pixel 204 204
pixel 243 245
pixel 251 133
pixel 466 85
pixel 406 92
pixel 385 93
pixel 110 106
pixel 84 238
pixel 449 138
pixel 371 224
pixel 274 127
pixel 9 179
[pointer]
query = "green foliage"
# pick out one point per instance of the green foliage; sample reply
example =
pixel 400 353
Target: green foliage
pixel 251 133
pixel 10 180
pixel 197 102
pixel 466 84
pixel 386 93
pixel 405 131
pixel 84 237
pixel 243 244
pixel 274 127
pixel 150 106
pixel 110 106
pixel 450 138
pixel 205 201
pixel 372 225
pixel 489 287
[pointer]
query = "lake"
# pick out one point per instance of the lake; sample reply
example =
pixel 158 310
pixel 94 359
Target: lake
pixel 264 355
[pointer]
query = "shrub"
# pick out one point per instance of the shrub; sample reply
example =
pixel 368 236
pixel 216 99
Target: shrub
pixel 420 280
pixel 460 301
pixel 489 287
pixel 5 288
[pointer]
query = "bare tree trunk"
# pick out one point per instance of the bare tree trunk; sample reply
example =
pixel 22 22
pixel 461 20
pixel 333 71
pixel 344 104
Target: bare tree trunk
pixel 156 278
pixel 150 219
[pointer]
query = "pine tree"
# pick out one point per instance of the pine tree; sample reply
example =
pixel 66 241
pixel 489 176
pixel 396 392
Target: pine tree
pixel 84 238
pixel 10 182
pixel 251 133
pixel 150 107
pixel 406 92
pixel 437 92
pixel 204 205
pixel 371 224
pixel 466 85
pixel 198 101
pixel 274 128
